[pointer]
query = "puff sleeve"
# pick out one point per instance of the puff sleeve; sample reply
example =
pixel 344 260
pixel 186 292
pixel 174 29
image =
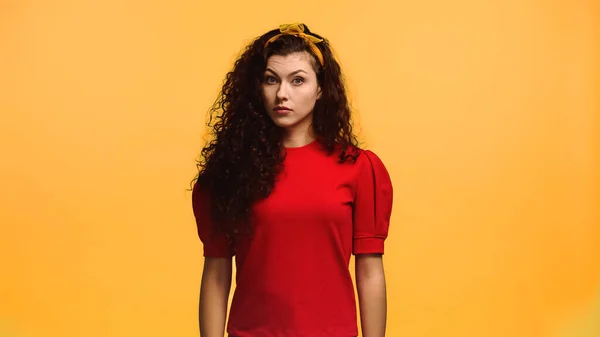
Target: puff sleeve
pixel 373 200
pixel 215 244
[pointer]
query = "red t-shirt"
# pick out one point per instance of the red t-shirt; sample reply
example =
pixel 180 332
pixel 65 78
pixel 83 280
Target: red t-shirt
pixel 293 276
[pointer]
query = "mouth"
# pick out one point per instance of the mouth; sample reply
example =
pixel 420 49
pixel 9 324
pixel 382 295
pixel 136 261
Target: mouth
pixel 282 109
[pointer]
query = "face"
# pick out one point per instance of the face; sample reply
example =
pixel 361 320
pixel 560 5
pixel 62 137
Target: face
pixel 290 91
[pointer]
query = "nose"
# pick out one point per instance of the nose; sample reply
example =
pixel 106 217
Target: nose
pixel 282 92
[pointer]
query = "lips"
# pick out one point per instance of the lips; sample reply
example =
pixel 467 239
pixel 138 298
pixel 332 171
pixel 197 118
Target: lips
pixel 282 109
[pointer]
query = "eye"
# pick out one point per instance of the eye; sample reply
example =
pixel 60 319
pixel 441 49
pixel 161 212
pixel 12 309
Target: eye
pixel 298 80
pixel 270 80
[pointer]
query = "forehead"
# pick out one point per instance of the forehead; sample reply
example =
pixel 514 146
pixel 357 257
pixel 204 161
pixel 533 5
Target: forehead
pixel 291 62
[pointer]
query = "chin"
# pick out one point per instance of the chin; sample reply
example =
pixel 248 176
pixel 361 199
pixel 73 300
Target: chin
pixel 289 120
pixel 282 123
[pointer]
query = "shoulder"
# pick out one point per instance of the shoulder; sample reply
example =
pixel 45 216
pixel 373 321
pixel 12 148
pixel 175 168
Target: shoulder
pixel 368 160
pixel 200 198
pixel 370 167
pixel 363 162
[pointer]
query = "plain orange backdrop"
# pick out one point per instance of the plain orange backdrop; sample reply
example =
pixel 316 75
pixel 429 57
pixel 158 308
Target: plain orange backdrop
pixel 486 114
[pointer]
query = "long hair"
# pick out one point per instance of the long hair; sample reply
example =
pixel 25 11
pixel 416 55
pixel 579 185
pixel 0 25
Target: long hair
pixel 240 165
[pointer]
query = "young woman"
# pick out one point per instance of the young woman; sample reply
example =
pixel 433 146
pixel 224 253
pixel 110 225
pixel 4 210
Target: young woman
pixel 285 189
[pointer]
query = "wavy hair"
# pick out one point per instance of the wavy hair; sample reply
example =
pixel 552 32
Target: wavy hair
pixel 240 165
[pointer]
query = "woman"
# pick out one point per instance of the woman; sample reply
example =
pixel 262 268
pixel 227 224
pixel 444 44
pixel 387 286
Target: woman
pixel 284 188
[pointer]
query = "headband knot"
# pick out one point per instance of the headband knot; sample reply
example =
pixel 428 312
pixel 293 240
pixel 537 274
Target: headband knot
pixel 297 29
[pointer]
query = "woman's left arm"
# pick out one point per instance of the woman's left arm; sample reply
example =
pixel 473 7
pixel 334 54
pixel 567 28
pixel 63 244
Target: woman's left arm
pixel 372 298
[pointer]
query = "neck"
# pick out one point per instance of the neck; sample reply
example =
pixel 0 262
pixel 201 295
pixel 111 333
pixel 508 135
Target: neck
pixel 297 139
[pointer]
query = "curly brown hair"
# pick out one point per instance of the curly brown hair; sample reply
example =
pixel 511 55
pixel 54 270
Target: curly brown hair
pixel 240 165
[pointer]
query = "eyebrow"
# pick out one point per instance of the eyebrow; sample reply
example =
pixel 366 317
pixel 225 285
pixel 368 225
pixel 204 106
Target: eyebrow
pixel 291 74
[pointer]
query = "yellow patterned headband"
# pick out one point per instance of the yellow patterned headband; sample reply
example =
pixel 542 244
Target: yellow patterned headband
pixel 297 29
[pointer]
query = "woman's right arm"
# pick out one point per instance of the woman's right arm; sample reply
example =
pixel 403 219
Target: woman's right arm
pixel 214 296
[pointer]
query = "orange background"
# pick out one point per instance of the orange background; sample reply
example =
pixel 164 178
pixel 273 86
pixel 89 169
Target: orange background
pixel 486 114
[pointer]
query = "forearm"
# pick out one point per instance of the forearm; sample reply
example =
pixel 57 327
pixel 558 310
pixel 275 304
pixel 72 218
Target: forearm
pixel 371 287
pixel 214 297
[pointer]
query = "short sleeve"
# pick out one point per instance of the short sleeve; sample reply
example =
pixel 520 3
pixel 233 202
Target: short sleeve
pixel 215 244
pixel 372 205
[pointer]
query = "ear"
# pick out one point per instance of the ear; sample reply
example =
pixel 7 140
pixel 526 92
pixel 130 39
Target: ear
pixel 319 92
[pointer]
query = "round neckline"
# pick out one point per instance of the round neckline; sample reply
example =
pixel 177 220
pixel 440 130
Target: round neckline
pixel 307 145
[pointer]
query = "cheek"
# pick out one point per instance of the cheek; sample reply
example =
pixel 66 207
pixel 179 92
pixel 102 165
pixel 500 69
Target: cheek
pixel 310 97
pixel 267 94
